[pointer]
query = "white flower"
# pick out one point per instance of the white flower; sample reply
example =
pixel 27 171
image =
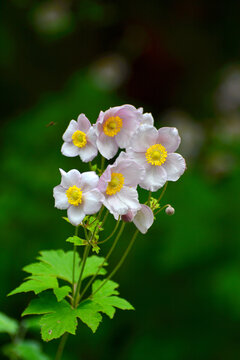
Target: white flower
pixel 118 184
pixel 154 150
pixel 115 127
pixel 143 218
pixel 78 194
pixel 80 139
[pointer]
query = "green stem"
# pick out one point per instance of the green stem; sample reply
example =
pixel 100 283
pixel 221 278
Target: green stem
pixel 74 261
pixel 90 165
pixel 163 192
pixel 61 346
pixel 149 198
pixel 161 208
pixel 102 163
pixel 106 258
pixel 78 288
pixel 119 264
pixel 111 235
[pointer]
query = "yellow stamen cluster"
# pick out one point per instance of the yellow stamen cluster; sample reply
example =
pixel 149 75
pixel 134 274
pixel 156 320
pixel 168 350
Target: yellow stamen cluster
pixel 74 195
pixel 79 138
pixel 156 154
pixel 116 183
pixel 112 126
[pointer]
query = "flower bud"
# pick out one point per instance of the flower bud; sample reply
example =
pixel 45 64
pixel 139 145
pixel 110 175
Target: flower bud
pixel 170 210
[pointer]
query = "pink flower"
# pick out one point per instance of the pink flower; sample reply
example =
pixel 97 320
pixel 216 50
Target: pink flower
pixel 118 185
pixel 78 194
pixel 115 127
pixel 155 151
pixel 143 218
pixel 80 139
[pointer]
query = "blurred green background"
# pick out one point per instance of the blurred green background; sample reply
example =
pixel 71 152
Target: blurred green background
pixel 180 60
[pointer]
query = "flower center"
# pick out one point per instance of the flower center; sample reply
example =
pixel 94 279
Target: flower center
pixel 112 126
pixel 156 154
pixel 79 138
pixel 116 183
pixel 74 195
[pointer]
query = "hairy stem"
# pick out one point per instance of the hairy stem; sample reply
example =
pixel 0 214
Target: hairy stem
pixel 106 258
pixel 78 288
pixel 74 261
pixel 161 208
pixel 112 233
pixel 61 346
pixel 119 264
pixel 163 192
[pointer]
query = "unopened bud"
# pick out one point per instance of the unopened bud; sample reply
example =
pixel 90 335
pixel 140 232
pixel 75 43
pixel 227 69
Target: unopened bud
pixel 170 210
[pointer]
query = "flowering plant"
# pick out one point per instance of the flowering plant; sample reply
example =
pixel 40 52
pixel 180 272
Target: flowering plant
pixel 71 287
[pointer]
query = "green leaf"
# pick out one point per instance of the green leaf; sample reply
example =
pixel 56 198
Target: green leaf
pixel 88 312
pixel 25 350
pixel 77 241
pixel 66 219
pixel 106 298
pixel 62 292
pixel 53 265
pixel 36 284
pixel 8 325
pixel 92 222
pixel 58 318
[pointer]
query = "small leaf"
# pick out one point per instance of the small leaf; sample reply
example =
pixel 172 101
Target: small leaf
pixel 77 241
pixel 88 312
pixel 92 223
pixel 25 350
pixel 36 284
pixel 92 265
pixel 62 292
pixel 66 219
pixel 8 325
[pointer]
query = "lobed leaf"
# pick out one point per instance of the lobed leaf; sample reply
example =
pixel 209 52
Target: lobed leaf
pixel 88 312
pixel 77 241
pixel 25 350
pixel 37 284
pixel 62 292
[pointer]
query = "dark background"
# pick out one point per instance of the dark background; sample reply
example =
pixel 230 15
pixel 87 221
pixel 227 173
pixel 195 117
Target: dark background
pixel 180 60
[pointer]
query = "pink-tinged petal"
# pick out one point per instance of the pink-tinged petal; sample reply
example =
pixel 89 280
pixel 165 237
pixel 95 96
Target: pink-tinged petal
pixel 143 220
pixel 144 137
pixel 169 138
pixel 88 152
pixel 100 121
pixel 128 217
pixel 130 169
pixel 72 127
pixel 107 146
pixel 104 179
pixel 92 202
pixel 83 123
pixel 138 157
pixel 61 200
pixel 129 197
pixel 89 181
pixel 71 178
pixel 174 166
pixel 147 119
pixel 75 214
pixel 69 149
pixel 114 204
pixel 91 135
pixel 123 138
pixel 155 178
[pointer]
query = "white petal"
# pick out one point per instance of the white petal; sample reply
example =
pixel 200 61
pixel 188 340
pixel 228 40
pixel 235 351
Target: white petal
pixel 123 138
pixel 91 135
pixel 144 137
pixel 75 214
pixel 72 127
pixel 92 201
pixel 139 157
pixel 107 146
pixel 83 123
pixel 88 152
pixel 61 200
pixel 115 205
pixel 131 170
pixel 71 178
pixel 155 178
pixel 104 179
pixel 169 138
pixel 89 180
pixel 69 149
pixel 175 166
pixel 129 197
pixel 147 119
pixel 143 219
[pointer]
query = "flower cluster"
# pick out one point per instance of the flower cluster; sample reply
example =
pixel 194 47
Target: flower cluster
pixel 149 161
